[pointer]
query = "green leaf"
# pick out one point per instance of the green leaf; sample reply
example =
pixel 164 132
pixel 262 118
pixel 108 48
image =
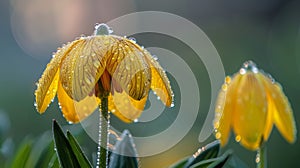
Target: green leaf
pixel 180 163
pixel 83 161
pixel 209 151
pixel 124 154
pixel 54 162
pixel 214 162
pixel 66 156
pixel 22 154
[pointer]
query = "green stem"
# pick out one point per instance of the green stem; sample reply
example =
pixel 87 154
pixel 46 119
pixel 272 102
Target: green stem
pixel 102 160
pixel 261 157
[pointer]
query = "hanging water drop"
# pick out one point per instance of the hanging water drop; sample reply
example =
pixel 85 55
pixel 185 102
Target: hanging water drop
pixel 218 135
pixel 238 138
pixel 135 120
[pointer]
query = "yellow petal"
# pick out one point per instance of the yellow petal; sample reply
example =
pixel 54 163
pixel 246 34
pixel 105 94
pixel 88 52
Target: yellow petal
pixel 269 122
pixel 281 111
pixel 250 114
pixel 75 111
pixel 83 66
pixel 124 107
pixel 160 83
pixel 128 67
pixel 47 84
pixel 225 105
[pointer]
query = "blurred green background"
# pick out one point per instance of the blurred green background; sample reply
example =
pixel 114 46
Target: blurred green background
pixel 266 32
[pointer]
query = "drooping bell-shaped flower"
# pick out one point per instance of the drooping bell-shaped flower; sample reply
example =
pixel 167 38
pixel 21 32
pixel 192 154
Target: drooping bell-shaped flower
pixel 250 103
pixel 89 67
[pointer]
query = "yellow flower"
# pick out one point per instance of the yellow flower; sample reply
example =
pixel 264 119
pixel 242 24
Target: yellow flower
pixel 250 103
pixel 90 67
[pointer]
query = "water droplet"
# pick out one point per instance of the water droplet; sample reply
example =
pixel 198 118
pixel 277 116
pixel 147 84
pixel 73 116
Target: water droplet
pixel 238 138
pixel 172 104
pixel 102 29
pixel 216 124
pixel 96 63
pixel 250 66
pixel 271 78
pixel 135 120
pixel 35 104
pixel 224 87
pixel 132 39
pixel 155 57
pixel 70 122
pixel 158 98
pixel 242 71
pixel 218 135
pixel 227 80
pixel 257 158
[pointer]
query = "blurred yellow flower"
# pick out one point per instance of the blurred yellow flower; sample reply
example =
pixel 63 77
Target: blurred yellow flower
pixel 86 69
pixel 250 103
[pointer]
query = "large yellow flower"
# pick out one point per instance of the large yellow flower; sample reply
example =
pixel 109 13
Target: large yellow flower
pixel 85 69
pixel 250 103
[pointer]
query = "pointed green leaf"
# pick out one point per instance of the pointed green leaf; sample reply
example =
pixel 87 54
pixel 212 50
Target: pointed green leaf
pixel 209 151
pixel 22 154
pixel 83 161
pixel 124 154
pixel 54 162
pixel 214 162
pixel 66 156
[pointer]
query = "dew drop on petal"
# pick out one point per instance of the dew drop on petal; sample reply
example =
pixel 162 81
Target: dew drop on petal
pixel 155 57
pixel 218 135
pixel 172 104
pixel 135 120
pixel 242 71
pixel 238 138
pixel 132 39
pixel 224 87
pixel 227 80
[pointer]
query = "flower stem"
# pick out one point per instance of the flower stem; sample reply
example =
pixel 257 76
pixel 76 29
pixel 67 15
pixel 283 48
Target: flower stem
pixel 102 160
pixel 261 157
